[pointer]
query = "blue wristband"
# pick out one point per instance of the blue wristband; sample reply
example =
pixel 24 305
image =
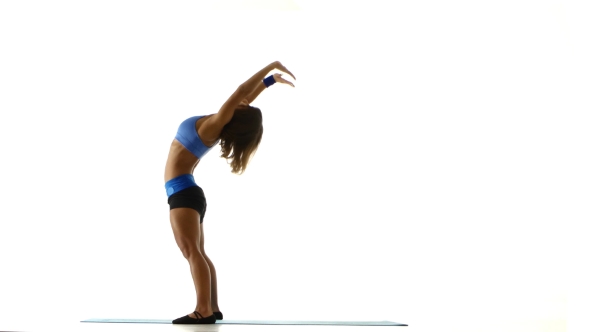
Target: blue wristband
pixel 269 81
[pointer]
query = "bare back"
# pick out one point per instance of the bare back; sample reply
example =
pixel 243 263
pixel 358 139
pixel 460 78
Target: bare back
pixel 182 161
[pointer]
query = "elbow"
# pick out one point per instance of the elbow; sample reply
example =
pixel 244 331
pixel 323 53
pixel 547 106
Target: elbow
pixel 242 91
pixel 245 89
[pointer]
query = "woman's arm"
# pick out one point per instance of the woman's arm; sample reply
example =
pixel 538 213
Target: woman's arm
pixel 261 86
pixel 246 89
pixel 226 112
pixel 212 127
pixel 252 96
pixel 253 82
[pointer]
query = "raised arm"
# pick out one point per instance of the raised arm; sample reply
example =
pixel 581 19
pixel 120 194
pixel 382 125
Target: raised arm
pixel 262 86
pixel 252 96
pixel 226 112
pixel 211 128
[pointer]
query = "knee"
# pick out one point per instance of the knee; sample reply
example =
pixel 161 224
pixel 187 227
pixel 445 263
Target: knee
pixel 189 250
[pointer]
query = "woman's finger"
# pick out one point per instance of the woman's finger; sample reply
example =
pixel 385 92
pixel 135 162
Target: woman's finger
pixel 279 78
pixel 290 73
pixel 283 68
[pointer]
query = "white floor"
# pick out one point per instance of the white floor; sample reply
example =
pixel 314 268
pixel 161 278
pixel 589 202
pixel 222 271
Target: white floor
pixel 493 325
pixel 108 327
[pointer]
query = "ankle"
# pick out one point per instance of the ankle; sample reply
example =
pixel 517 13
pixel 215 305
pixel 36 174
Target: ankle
pixel 204 312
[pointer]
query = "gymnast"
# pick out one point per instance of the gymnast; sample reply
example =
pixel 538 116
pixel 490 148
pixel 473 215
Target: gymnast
pixel 237 127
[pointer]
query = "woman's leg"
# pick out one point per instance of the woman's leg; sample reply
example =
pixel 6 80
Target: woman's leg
pixel 187 233
pixel 213 272
pixel 214 303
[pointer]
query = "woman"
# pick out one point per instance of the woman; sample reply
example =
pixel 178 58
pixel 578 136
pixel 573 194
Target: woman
pixel 238 128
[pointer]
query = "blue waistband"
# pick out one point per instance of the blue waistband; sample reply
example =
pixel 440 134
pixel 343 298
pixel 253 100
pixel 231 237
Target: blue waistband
pixel 179 183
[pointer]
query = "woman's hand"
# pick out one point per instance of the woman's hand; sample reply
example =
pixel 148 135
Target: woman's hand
pixel 279 79
pixel 282 68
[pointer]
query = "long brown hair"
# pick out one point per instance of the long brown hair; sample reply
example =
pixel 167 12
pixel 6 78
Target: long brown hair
pixel 240 137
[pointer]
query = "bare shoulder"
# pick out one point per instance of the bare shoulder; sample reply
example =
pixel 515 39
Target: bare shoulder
pixel 212 125
pixel 209 129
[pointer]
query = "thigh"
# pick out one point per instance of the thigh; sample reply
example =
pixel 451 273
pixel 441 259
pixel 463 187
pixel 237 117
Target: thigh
pixel 186 226
pixel 202 240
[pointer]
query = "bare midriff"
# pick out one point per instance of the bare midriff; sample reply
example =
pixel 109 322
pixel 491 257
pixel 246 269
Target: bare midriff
pixel 182 161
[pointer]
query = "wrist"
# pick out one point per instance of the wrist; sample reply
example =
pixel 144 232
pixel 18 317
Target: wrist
pixel 270 80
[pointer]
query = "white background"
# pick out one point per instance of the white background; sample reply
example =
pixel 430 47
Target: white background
pixel 429 167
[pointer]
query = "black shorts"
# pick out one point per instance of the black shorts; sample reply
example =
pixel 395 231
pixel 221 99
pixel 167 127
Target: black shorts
pixel 191 197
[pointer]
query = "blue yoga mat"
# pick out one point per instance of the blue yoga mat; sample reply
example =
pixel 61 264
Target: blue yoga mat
pixel 244 322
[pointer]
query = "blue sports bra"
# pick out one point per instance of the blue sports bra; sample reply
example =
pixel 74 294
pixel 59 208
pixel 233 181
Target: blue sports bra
pixel 189 138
